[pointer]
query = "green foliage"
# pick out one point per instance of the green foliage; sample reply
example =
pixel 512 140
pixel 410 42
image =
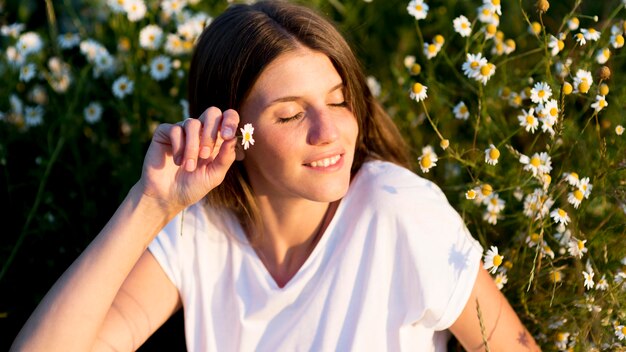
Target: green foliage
pixel 63 173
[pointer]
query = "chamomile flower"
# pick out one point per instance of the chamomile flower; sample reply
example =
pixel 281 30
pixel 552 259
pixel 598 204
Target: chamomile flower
pixel 575 198
pixel 556 276
pixel 135 10
pixel 417 9
pixel 444 144
pixel 617 41
pixel 33 116
pixel 528 120
pixel 600 103
pixel 12 30
pixel 117 6
pixel 560 216
pixel 462 26
pixel 602 284
pixel 533 239
pixel 538 164
pixel 585 187
pixel 546 250
pixel 247 131
pixel 582 81
pixel 573 23
pixel 491 217
pixel 470 194
pixel 172 7
pixel 29 43
pixel 428 159
pixel 485 72
pixel 494 203
pixel 534 28
pixel 68 40
pixel 492 260
pixel 493 5
pixel 620 332
pixel 473 63
pixel 122 87
pixel 93 112
pixel 418 92
pixel 461 111
pixel 27 72
pixel 561 340
pixel 603 55
pixel 160 67
pixel 431 50
pixel 576 248
pixel 540 93
pixel 580 39
pixel 487 15
pixel 572 178
pixel 588 275
pixel 150 37
pixel 555 44
pixel 501 279
pixel 491 155
pixel 619 129
pixel 590 34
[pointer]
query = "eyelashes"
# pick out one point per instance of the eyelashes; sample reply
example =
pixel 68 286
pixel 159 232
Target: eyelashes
pixel 299 115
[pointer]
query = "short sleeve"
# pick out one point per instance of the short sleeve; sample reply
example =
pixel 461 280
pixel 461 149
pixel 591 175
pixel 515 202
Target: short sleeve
pixel 166 249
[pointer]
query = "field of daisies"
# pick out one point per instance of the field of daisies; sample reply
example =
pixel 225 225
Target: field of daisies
pixel 514 108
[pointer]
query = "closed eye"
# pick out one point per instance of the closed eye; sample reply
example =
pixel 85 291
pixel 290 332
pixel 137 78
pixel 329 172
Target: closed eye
pixel 343 104
pixel 292 118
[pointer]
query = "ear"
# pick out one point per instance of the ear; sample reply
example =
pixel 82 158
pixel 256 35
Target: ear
pixel 239 154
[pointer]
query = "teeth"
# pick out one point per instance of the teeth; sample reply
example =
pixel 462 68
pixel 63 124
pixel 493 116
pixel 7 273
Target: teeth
pixel 326 162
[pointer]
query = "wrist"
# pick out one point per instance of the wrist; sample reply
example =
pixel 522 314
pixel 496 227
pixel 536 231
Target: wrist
pixel 151 206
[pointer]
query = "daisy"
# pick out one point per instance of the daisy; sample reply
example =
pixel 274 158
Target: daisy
pixel 501 279
pixel 533 240
pixel 603 55
pixel 444 144
pixel 122 87
pixel 29 43
pixel 540 93
pixel 588 275
pixel 93 112
pixel 486 14
pixel 27 72
pixel 546 250
pixel 117 6
pixel 573 23
pixel 473 63
pixel 173 7
pixel 491 155
pixel 247 131
pixel 491 217
pixel 585 187
pixel 461 111
pixel 600 103
pixel 537 204
pixel 470 194
pixel 580 39
pixel 150 37
pixel 550 110
pixel 174 45
pixel 561 340
pixel 493 5
pixel 509 46
pixel 534 28
pixel 431 50
pixel 617 41
pixel 68 40
pixel 572 178
pixel 428 159
pixel 462 26
pixel 485 72
pixel 528 120
pixel 12 30
pixel 567 88
pixel 556 45
pixel 582 81
pixel 418 92
pixel 490 31
pixel 575 198
pixel 160 67
pixel 619 129
pixel 417 9
pixel 576 248
pixel 495 204
pixel 33 116
pixel 556 276
pixel 560 216
pixel 590 34
pixel 602 284
pixel 492 260
pixel 538 164
pixel 620 332
pixel 135 10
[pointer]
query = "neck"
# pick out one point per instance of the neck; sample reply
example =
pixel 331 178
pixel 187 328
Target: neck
pixel 291 229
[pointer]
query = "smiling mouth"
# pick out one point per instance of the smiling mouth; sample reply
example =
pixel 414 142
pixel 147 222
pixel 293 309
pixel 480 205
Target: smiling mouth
pixel 325 162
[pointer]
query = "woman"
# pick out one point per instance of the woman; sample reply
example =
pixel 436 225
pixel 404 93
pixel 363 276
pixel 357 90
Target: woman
pixel 316 238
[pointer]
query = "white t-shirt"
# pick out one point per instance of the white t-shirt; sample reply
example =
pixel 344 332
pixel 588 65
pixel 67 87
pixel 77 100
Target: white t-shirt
pixel 394 268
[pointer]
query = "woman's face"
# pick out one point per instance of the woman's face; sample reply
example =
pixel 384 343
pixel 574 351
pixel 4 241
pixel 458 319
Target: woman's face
pixel 304 131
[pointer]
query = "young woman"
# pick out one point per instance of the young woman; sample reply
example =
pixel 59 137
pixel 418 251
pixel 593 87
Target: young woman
pixel 317 237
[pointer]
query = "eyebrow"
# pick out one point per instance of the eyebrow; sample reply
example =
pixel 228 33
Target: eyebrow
pixel 293 98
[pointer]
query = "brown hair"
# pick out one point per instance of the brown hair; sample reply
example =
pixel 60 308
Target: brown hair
pixel 232 52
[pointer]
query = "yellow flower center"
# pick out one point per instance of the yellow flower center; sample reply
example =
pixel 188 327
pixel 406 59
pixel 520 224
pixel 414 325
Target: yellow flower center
pixel 592 31
pixel 486 190
pixel 567 88
pixel 547 179
pixel 575 21
pixel 560 44
pixel 530 119
pixel 495 2
pixel 426 162
pixel 494 201
pixel 439 39
pixel 160 66
pixel 494 153
pixel 432 48
pixel 619 40
pixel 486 12
pixel 580 36
pixel 604 89
pixel 417 88
pixel 463 110
pixel 554 111
pixel 474 64
pixel 583 87
pixel 508 264
pixel 497 260
pixel 606 52
pixel 555 276
pixel 602 103
pixel 471 194
pixel 464 25
pixel 578 195
pixel 416 69
pixel 561 336
pixel 561 212
pixel 123 86
pixel 247 137
pixel 491 28
pixel 536 27
pixel 581 245
pixel 418 7
pixel 535 161
pixel 534 237
pixel 485 69
pixel 624 330
pixel 541 93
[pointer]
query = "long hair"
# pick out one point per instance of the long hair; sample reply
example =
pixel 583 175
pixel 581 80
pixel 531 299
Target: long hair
pixel 234 50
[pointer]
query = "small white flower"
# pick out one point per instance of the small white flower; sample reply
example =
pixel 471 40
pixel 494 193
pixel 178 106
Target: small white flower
pixel 93 112
pixel 485 72
pixel 160 67
pixel 473 63
pixel 461 111
pixel 580 39
pixel 501 279
pixel 619 129
pixel 117 6
pixel 491 155
pixel 173 7
pixel 576 248
pixel 150 37
pixel 600 103
pixel 582 81
pixel 588 275
pixel 122 87
pixel 528 120
pixel 603 55
pixel 492 260
pixel 418 92
pixel 431 50
pixel 617 41
pixel 29 43
pixel 494 203
pixel 560 216
pixel 247 131
pixel 68 40
pixel 12 30
pixel 33 116
pixel 539 164
pixel 417 9
pixel 540 93
pixel 462 26
pixel 573 23
pixel 620 332
pixel 135 10
pixel 575 198
pixel 428 159
pixel 27 72
pixel 602 284
pixel 590 34
pixel 556 45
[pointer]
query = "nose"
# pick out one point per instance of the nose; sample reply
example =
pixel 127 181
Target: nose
pixel 323 128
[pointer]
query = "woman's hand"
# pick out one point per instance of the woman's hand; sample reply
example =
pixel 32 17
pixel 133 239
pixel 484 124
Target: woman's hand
pixel 186 161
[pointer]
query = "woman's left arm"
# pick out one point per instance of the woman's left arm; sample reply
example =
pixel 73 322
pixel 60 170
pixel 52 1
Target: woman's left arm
pixel 503 329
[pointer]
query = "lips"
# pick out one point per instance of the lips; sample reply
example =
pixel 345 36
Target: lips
pixel 325 162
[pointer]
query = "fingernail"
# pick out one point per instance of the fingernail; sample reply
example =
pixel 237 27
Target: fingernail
pixel 190 165
pixel 227 132
pixel 205 152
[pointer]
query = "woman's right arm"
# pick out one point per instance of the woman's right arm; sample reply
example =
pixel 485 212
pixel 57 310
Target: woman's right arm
pixel 115 283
